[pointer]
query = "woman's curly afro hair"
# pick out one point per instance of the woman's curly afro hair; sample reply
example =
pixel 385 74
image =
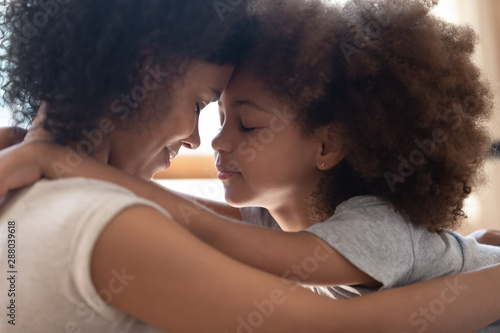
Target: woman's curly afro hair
pixel 79 55
pixel 401 88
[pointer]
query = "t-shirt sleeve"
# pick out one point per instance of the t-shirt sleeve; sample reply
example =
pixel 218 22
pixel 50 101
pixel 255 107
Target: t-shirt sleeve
pixel 476 255
pixel 87 233
pixel 376 239
pixel 258 216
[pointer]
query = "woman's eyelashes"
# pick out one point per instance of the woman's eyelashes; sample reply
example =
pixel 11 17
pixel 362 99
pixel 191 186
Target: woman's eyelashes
pixel 197 108
pixel 222 119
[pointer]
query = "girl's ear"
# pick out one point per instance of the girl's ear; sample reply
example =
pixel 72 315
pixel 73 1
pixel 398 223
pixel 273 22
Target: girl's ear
pixel 331 151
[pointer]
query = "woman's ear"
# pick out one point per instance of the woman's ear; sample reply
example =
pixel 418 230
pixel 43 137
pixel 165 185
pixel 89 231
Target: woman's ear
pixel 331 151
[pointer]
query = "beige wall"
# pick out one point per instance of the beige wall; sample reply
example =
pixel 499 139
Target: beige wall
pixel 484 17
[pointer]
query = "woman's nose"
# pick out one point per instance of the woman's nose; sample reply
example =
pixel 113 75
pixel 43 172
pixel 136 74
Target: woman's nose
pixel 193 141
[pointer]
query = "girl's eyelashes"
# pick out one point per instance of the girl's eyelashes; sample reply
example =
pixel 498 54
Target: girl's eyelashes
pixel 241 127
pixel 197 108
pixel 246 129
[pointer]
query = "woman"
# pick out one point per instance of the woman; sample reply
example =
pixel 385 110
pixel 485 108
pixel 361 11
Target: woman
pixel 71 244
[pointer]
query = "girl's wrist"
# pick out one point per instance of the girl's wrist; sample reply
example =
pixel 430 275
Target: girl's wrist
pixel 51 158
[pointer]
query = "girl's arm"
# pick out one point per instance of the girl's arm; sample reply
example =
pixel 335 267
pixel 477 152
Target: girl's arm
pixel 183 285
pixel 10 136
pixel 220 208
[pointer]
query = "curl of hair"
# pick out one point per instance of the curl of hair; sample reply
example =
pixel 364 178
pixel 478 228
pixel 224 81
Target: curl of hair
pixel 79 55
pixel 401 87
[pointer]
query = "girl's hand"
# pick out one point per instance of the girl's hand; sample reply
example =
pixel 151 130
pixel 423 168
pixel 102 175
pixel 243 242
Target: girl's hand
pixel 487 236
pixel 21 165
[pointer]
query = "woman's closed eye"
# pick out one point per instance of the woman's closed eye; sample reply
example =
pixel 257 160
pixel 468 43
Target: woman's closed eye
pixel 197 108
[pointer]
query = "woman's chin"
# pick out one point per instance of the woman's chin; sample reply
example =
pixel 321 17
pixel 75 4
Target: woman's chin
pixel 150 172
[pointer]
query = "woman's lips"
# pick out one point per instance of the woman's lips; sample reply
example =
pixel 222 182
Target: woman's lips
pixel 224 175
pixel 166 153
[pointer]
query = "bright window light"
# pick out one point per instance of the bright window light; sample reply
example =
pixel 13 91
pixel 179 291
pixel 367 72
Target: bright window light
pixel 448 10
pixel 5 119
pixel 209 125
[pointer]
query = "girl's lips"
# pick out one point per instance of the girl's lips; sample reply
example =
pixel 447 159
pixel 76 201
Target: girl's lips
pixel 223 175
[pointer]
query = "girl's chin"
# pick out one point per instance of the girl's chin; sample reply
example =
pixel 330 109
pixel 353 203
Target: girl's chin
pixel 237 200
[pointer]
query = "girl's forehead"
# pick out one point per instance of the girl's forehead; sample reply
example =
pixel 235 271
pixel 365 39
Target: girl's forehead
pixel 245 86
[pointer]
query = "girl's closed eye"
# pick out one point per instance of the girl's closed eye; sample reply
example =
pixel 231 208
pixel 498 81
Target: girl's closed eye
pixel 250 121
pixel 245 129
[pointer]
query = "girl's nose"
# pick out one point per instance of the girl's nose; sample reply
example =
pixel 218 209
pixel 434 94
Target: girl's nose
pixel 222 142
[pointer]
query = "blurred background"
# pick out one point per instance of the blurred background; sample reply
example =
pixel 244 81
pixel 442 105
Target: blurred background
pixel 483 207
pixel 193 172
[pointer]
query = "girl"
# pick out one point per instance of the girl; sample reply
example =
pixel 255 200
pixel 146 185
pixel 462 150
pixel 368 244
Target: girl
pixel 99 241
pixel 374 127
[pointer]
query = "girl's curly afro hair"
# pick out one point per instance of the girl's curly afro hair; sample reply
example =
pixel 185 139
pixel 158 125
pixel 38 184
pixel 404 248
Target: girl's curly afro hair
pixel 400 86
pixel 79 55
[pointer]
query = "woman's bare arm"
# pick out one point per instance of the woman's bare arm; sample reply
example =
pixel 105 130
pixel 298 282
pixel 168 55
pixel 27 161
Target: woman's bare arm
pixel 276 252
pixel 183 285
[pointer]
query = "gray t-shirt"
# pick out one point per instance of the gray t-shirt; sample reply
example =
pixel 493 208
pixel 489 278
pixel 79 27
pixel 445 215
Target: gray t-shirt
pixel 381 242
pixel 56 224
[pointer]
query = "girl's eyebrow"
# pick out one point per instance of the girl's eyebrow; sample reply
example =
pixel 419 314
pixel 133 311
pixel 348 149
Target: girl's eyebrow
pixel 250 104
pixel 216 93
